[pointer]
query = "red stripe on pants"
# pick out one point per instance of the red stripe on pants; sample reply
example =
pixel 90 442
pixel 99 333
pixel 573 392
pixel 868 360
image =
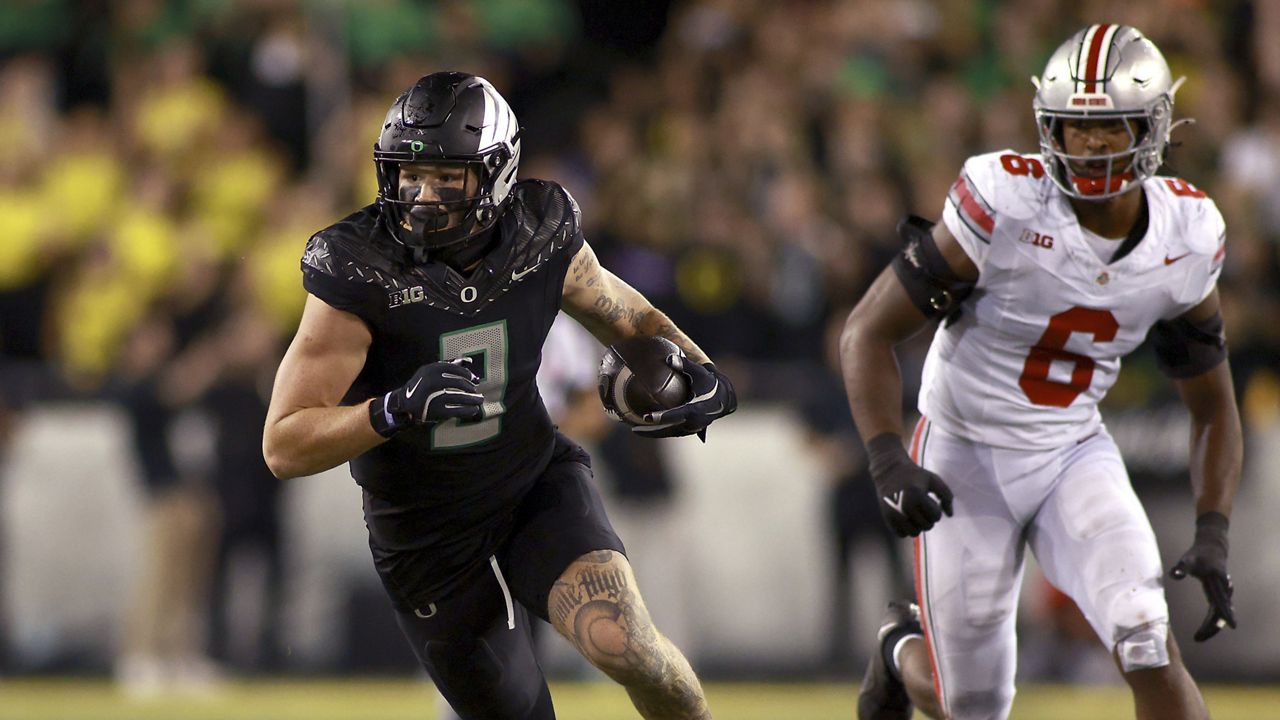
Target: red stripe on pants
pixel 918 570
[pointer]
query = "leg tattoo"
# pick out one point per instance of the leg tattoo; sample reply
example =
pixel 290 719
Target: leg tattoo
pixel 596 606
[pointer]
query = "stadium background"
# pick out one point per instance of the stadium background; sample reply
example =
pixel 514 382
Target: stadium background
pixel 742 162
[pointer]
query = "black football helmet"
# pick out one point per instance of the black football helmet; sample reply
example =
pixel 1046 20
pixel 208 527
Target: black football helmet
pixel 447 117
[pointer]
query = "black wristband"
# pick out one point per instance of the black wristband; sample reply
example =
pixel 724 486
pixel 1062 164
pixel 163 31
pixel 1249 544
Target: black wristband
pixel 1211 527
pixel 381 419
pixel 885 452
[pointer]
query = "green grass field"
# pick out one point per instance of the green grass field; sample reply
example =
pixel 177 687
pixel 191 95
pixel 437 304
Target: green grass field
pixel 395 700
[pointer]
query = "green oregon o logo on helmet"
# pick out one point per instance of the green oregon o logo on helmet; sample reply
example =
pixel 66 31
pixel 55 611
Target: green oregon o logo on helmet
pixel 416 146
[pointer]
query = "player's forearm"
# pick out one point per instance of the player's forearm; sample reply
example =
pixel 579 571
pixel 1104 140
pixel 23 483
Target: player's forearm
pixel 872 381
pixel 883 318
pixel 656 322
pixel 612 310
pixel 614 317
pixel 1217 453
pixel 312 440
pixel 1217 445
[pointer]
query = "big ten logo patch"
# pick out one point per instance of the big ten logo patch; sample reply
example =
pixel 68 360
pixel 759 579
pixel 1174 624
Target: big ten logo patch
pixel 406 296
pixel 1031 237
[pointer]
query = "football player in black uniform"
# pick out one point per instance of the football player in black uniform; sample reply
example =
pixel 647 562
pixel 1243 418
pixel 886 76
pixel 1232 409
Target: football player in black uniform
pixel 415 361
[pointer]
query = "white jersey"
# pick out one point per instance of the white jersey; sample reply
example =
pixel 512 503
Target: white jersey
pixel 1039 341
pixel 570 365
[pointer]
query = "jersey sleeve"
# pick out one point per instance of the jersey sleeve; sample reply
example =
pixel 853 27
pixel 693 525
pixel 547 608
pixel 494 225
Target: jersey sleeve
pixel 567 239
pixel 576 238
pixel 322 276
pixel 1206 236
pixel 1216 254
pixel 968 212
pixel 570 364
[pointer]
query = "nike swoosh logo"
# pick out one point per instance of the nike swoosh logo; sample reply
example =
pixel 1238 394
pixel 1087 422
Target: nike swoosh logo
pixel 517 275
pixel 431 607
pixel 409 394
pixel 1169 261
pixel 894 501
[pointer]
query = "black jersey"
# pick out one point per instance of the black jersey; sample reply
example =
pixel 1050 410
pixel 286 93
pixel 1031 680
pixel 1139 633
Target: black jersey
pixel 498 315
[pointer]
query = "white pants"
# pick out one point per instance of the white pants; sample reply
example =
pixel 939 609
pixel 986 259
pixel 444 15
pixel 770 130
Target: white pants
pixel 1075 508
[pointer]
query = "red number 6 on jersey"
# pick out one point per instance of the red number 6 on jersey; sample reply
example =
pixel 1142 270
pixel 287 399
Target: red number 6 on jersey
pixel 1035 382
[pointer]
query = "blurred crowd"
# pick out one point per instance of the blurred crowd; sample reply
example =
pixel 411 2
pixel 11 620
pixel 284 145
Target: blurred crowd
pixel 742 162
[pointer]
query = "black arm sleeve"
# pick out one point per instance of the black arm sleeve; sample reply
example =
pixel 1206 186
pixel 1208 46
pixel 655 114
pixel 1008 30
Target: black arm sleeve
pixel 1185 349
pixel 932 285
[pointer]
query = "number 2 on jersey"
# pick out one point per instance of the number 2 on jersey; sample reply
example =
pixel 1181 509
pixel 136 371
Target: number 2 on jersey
pixel 1035 382
pixel 490 343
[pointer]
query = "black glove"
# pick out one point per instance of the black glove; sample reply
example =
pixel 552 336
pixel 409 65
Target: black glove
pixel 912 499
pixel 437 391
pixel 713 398
pixel 1207 562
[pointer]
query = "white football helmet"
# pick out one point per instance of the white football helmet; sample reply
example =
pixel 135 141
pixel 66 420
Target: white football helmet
pixel 1106 71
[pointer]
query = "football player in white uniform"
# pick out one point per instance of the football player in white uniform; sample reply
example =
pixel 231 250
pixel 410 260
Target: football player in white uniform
pixel 1046 270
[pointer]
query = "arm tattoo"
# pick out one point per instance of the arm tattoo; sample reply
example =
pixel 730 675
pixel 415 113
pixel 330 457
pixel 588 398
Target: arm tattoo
pixel 583 264
pixel 612 310
pixel 617 312
pixel 637 320
pixel 669 331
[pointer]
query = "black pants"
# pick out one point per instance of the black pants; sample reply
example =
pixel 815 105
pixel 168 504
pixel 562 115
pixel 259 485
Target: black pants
pixel 483 661
pixel 476 642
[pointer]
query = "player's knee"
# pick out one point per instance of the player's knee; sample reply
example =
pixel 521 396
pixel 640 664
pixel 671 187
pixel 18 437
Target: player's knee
pixel 989 597
pixel 986 703
pixel 620 639
pixel 472 678
pixel 454 660
pixel 988 613
pixel 1144 647
pixel 1134 603
pixel 1141 629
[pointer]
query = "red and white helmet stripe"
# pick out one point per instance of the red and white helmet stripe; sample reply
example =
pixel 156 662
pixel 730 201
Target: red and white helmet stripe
pixel 1092 56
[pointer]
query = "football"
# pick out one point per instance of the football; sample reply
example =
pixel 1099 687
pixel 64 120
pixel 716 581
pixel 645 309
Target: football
pixel 635 379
